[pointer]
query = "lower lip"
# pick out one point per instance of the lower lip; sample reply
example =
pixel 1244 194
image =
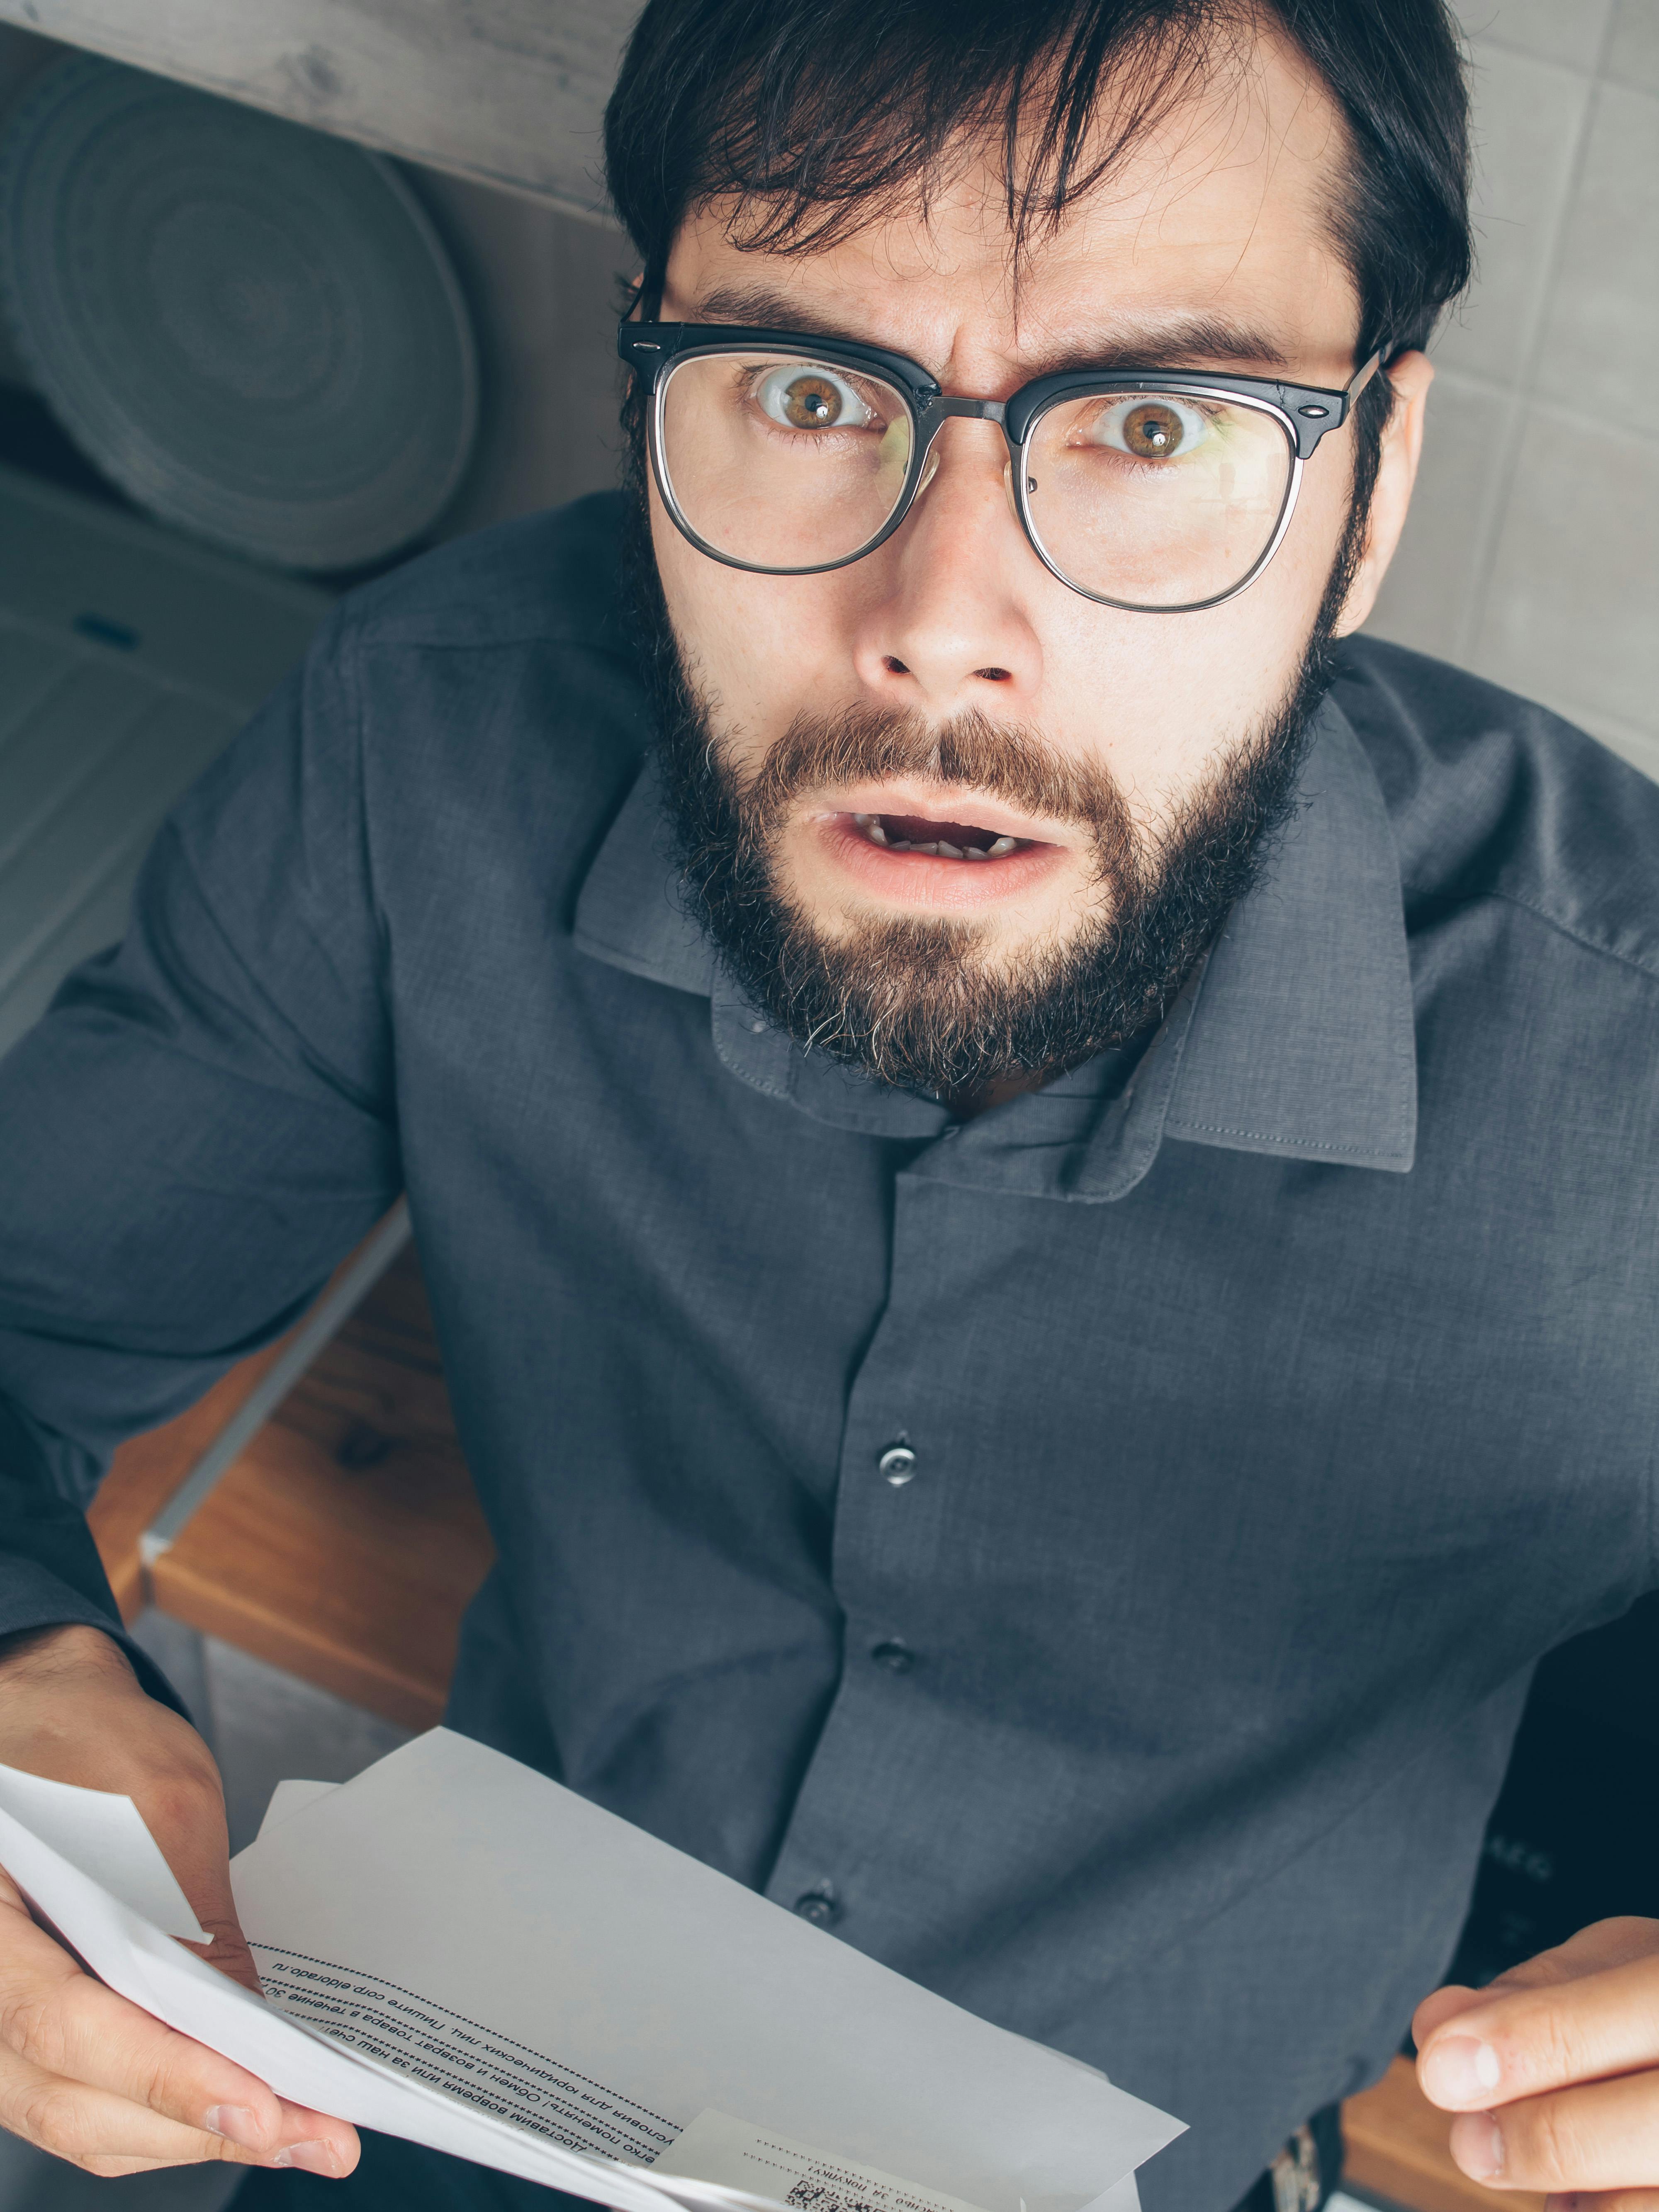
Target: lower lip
pixel 928 880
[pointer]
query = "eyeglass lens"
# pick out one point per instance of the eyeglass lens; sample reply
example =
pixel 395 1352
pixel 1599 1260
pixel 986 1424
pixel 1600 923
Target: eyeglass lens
pixel 1152 500
pixel 779 462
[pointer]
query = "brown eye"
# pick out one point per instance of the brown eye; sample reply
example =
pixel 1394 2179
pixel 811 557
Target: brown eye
pixel 807 396
pixel 811 403
pixel 1152 430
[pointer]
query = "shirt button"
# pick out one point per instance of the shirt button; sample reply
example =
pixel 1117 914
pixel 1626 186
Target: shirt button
pixel 898 1464
pixel 897 1658
pixel 819 1906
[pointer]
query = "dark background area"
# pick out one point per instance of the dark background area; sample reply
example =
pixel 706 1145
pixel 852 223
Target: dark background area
pixel 1575 1836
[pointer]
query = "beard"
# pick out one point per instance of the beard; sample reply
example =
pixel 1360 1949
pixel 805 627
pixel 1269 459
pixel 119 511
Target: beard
pixel 913 1001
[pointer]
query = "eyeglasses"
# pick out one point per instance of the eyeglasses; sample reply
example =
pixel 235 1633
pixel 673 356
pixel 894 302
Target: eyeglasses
pixel 1160 490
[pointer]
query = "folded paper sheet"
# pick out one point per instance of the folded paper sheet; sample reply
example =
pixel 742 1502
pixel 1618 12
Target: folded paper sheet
pixel 459 1951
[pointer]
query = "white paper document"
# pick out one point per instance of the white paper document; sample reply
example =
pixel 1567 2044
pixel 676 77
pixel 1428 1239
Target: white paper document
pixel 457 1950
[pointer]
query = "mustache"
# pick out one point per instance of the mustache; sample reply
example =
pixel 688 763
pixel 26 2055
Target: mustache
pixel 999 760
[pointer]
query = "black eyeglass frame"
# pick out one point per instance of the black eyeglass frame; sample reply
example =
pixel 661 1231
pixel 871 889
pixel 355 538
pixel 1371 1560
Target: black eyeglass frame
pixel 1306 413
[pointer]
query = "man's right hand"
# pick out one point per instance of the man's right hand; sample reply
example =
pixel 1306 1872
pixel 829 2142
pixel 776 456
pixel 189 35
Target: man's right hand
pixel 83 2073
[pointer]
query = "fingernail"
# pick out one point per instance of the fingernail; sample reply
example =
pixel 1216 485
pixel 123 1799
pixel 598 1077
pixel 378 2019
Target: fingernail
pixel 309 2157
pixel 237 2124
pixel 1459 2070
pixel 1477 2145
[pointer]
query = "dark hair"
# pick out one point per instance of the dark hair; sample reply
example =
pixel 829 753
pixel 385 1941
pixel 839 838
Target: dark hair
pixel 817 116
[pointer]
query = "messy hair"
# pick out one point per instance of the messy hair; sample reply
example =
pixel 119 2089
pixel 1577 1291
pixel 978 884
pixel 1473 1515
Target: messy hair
pixel 811 119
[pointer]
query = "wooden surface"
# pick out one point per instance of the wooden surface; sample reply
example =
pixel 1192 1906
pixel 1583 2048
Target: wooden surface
pixel 508 91
pixel 346 1541
pixel 344 1544
pixel 1395 2144
pixel 146 1470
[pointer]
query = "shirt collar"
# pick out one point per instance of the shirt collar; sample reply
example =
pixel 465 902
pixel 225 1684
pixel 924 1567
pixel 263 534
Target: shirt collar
pixel 1296 1036
pixel 1303 1041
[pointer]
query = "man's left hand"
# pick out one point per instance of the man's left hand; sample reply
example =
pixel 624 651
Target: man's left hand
pixel 1553 2071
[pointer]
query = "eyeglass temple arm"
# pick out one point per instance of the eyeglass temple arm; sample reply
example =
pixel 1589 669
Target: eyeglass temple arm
pixel 1364 376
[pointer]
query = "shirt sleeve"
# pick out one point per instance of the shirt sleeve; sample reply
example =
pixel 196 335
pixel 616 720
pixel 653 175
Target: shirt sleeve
pixel 196 1132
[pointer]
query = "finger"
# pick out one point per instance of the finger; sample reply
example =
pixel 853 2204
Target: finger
pixel 228 1952
pixel 1602 2136
pixel 1605 1943
pixel 1444 2005
pixel 227 1948
pixel 187 1818
pixel 110 2135
pixel 1522 2041
pixel 1608 2200
pixel 66 2025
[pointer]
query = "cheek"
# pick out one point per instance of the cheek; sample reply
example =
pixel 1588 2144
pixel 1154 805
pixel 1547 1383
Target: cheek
pixel 1158 698
pixel 1301 567
pixel 763 648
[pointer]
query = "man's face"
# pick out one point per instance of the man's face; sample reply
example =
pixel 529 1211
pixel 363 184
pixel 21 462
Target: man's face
pixel 1218 218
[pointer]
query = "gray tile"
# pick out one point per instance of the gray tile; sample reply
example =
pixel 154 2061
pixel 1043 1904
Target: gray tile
pixel 1569 30
pixel 1602 331
pixel 1429 594
pixel 1639 747
pixel 1529 116
pixel 105 821
pixel 1570 614
pixel 181 1654
pixel 1634 52
pixel 76 723
pixel 270 1728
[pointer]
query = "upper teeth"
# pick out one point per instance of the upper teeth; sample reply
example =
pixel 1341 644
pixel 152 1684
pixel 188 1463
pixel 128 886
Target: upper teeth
pixel 872 826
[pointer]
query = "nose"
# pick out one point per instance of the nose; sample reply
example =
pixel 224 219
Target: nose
pixel 946 623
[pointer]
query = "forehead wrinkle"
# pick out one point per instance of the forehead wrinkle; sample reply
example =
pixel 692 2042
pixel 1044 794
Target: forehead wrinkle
pixel 1177 341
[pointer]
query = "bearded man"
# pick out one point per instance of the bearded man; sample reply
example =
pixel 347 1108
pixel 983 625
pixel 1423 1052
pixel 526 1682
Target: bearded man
pixel 1036 1165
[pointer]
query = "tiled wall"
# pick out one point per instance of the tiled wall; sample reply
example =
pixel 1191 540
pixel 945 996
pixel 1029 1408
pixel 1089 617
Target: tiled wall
pixel 1532 554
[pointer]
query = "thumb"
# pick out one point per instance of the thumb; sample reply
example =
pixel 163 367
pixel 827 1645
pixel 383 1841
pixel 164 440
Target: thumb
pixel 198 1849
pixel 184 1811
pixel 228 1950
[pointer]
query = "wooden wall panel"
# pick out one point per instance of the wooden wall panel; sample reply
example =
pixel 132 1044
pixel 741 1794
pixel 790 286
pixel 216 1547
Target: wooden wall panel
pixel 508 91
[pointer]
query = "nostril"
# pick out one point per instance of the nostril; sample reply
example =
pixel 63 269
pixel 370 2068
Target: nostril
pixel 893 665
pixel 995 675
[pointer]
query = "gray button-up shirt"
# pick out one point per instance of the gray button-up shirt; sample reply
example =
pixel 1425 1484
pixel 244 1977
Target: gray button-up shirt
pixel 1273 1405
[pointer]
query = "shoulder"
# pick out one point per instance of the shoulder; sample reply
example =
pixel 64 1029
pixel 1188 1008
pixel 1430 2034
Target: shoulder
pixel 496 673
pixel 551 578
pixel 1493 797
pixel 477 715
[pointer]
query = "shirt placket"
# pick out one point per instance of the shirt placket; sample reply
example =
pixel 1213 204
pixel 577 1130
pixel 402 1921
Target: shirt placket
pixel 892 1536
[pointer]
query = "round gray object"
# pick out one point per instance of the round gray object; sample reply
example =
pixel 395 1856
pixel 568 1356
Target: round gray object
pixel 252 328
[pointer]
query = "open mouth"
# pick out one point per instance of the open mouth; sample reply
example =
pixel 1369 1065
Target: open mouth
pixel 943 840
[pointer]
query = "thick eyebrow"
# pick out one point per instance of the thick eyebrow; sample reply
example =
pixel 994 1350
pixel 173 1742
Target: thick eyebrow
pixel 1174 342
